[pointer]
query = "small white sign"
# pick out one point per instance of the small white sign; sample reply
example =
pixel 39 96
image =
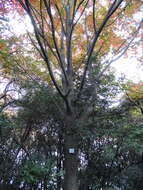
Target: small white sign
pixel 71 150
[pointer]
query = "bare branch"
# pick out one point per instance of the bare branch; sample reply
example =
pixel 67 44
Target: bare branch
pixel 54 39
pixel 94 19
pixel 110 12
pixel 44 53
pixel 60 17
pixel 81 12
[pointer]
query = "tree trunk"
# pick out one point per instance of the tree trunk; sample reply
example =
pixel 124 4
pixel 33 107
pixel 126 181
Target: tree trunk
pixel 71 157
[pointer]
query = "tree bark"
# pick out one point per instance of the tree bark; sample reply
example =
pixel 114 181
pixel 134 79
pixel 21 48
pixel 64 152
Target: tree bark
pixel 71 158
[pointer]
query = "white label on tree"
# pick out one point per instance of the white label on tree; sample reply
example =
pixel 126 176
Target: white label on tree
pixel 71 150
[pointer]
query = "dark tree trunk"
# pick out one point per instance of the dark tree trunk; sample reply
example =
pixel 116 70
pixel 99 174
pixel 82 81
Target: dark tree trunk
pixel 71 164
pixel 71 157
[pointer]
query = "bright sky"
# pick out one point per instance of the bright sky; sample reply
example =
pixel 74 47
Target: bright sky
pixel 20 26
pixel 130 67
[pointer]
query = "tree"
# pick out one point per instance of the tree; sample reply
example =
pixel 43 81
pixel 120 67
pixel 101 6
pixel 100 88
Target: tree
pixel 73 38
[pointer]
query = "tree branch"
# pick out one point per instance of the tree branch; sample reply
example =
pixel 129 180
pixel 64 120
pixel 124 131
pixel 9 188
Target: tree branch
pixel 110 12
